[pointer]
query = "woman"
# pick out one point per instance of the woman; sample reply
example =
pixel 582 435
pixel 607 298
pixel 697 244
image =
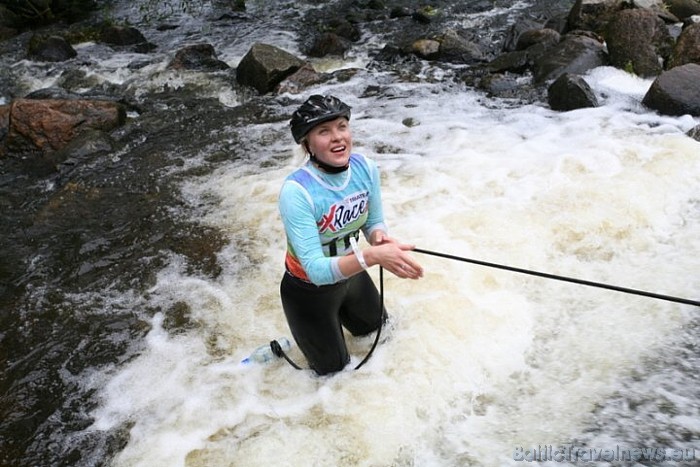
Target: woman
pixel 324 205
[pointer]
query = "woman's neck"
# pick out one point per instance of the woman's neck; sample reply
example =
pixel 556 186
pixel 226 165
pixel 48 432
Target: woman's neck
pixel 331 169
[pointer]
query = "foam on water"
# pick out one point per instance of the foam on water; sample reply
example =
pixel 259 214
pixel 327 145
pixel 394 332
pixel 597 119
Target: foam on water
pixel 474 361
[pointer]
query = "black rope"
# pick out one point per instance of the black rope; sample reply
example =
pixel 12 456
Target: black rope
pixel 279 352
pixel 561 278
pixel 381 318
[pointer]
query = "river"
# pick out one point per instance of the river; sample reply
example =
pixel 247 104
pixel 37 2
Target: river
pixel 476 366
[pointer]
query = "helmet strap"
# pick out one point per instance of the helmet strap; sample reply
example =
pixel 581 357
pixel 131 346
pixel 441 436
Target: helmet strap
pixel 322 165
pixel 327 167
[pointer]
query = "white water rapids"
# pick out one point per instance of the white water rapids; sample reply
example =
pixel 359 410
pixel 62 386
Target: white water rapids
pixel 474 362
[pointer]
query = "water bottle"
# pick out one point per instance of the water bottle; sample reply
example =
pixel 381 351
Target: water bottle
pixel 264 353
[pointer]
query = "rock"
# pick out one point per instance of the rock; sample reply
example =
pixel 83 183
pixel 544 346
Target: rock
pixel 574 54
pixel 695 133
pixel 49 125
pixel 676 91
pixel 84 147
pixel 197 57
pixel 428 49
pixel 389 54
pixel 557 23
pixel 121 35
pixel 4 123
pixel 546 37
pixel 570 92
pixel 456 49
pixel 683 9
pixel 265 66
pixel 301 79
pixel 658 7
pixel 516 30
pixel 500 85
pixel 592 15
pixel 399 12
pixel 328 43
pixel 344 29
pixel 687 48
pixel 425 15
pixel 638 41
pixel 514 62
pixel 50 49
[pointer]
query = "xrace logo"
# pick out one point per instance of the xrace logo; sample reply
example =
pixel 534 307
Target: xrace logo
pixel 343 213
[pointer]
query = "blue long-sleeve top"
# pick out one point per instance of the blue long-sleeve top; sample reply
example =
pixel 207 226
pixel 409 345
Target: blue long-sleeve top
pixel 320 211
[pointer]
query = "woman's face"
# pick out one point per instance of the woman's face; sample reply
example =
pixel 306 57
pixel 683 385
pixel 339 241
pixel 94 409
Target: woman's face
pixel 331 141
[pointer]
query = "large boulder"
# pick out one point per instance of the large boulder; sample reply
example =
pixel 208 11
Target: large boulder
pixel 50 124
pixel 329 43
pixel 510 42
pixel 592 15
pixel 574 54
pixel 638 41
pixel 197 57
pixel 543 36
pixel 687 49
pixel 456 49
pixel 121 36
pixel 570 92
pixel 683 9
pixel 676 91
pixel 50 49
pixel 265 66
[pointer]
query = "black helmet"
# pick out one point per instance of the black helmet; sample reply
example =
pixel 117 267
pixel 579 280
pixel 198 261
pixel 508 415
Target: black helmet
pixel 317 109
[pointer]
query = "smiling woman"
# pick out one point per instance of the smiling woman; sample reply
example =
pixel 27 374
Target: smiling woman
pixel 324 205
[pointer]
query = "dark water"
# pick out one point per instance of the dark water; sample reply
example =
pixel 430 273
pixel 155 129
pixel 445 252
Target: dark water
pixel 82 242
pixel 80 248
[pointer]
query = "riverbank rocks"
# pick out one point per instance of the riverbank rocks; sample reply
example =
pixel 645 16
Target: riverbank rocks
pixel 683 9
pixel 50 49
pixel 570 92
pixel 574 54
pixel 676 91
pixel 592 15
pixel 265 66
pixel 687 49
pixel 48 125
pixel 329 43
pixel 457 49
pixel 197 57
pixel 638 41
pixel 121 36
pixel 694 133
pixel 639 36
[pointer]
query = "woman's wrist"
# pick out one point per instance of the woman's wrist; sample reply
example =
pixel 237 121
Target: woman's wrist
pixel 358 253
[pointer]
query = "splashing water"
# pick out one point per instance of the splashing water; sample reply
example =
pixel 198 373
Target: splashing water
pixel 475 362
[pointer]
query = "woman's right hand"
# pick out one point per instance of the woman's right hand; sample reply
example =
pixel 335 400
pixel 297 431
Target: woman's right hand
pixel 394 257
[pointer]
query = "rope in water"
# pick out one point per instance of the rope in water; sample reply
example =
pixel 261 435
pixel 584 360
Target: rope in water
pixel 277 349
pixel 562 278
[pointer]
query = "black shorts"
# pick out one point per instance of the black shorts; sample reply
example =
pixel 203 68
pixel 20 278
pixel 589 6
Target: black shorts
pixel 316 315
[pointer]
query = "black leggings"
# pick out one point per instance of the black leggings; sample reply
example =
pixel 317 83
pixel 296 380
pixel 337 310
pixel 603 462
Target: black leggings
pixel 316 315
